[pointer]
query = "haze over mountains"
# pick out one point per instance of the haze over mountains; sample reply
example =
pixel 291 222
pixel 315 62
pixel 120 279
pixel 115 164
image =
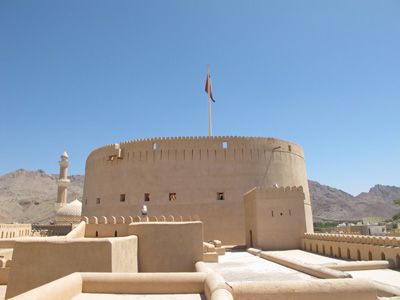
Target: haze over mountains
pixel 29 196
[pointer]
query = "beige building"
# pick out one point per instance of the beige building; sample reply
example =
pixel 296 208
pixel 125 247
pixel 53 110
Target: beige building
pixel 194 176
pixel 275 218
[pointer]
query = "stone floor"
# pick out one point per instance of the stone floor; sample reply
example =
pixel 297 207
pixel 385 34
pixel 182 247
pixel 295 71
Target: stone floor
pixel 243 266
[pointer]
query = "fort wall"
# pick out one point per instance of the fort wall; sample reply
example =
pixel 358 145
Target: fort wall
pixel 204 176
pixel 15 230
pixel 354 247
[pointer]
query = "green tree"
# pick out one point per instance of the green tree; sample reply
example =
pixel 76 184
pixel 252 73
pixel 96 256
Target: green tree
pixel 396 216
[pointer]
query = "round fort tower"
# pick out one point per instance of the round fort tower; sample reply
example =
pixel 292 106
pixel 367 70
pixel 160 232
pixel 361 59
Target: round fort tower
pixel 192 176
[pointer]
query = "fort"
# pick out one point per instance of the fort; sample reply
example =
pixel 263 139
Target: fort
pixel 193 176
pixel 209 199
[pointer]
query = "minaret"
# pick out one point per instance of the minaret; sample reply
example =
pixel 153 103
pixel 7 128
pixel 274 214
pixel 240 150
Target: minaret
pixel 62 182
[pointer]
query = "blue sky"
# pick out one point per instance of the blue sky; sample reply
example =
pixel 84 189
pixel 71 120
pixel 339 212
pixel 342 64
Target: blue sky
pixel 322 74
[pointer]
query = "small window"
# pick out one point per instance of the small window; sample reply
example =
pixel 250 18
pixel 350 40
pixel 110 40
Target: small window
pixel 154 146
pixel 281 214
pixel 98 200
pixel 147 197
pixel 272 212
pixel 172 196
pixel 224 145
pixel 220 196
pixel 122 198
pixel 290 148
pixel 85 201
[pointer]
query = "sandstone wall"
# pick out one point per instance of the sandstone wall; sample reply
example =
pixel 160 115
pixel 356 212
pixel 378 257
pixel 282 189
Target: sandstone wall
pixel 194 171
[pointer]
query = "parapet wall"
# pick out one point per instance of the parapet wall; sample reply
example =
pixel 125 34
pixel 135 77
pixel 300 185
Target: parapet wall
pixel 274 192
pixel 354 247
pixel 15 230
pixel 204 176
pixel 118 226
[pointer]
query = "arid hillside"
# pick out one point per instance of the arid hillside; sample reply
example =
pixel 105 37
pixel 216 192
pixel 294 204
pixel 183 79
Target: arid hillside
pixel 330 204
pixel 29 196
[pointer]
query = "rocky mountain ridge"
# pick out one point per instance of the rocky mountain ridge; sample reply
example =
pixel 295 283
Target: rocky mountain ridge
pixel 29 196
pixel 330 204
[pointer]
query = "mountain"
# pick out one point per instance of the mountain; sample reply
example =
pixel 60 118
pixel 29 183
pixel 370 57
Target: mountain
pixel 29 196
pixel 330 204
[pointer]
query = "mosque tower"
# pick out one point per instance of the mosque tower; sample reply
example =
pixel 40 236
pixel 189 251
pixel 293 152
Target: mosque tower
pixel 62 182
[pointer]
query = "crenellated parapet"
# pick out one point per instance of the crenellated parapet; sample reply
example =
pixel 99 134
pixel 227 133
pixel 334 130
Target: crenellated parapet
pixel 15 230
pixel 274 192
pixel 138 219
pixel 226 143
pixel 386 241
pixel 354 247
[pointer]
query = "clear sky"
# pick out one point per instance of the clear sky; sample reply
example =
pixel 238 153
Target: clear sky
pixel 322 74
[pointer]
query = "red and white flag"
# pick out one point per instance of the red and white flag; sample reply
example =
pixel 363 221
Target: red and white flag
pixel 208 84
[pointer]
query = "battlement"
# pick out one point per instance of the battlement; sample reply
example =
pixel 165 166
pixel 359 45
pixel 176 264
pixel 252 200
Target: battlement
pixel 231 147
pixel 386 241
pixel 273 192
pixel 137 219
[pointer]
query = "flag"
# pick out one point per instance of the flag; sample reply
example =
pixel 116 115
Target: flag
pixel 206 89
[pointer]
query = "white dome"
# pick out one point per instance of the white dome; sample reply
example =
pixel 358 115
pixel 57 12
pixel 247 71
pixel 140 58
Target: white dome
pixel 69 213
pixel 64 155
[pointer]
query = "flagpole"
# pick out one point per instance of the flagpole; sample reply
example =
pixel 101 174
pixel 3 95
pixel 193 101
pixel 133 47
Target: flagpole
pixel 209 102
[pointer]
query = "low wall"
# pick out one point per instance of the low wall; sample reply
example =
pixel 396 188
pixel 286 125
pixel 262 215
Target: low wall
pixel 118 226
pixel 15 230
pixel 329 289
pixel 354 247
pixel 143 283
pixel 211 284
pixel 37 261
pixel 168 246
pixel 66 288
pixel 73 285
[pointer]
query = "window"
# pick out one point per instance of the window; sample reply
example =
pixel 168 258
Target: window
pixel 146 197
pixel 154 146
pixel 98 200
pixel 224 145
pixel 220 196
pixel 172 196
pixel 122 198
pixel 85 201
pixel 290 148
